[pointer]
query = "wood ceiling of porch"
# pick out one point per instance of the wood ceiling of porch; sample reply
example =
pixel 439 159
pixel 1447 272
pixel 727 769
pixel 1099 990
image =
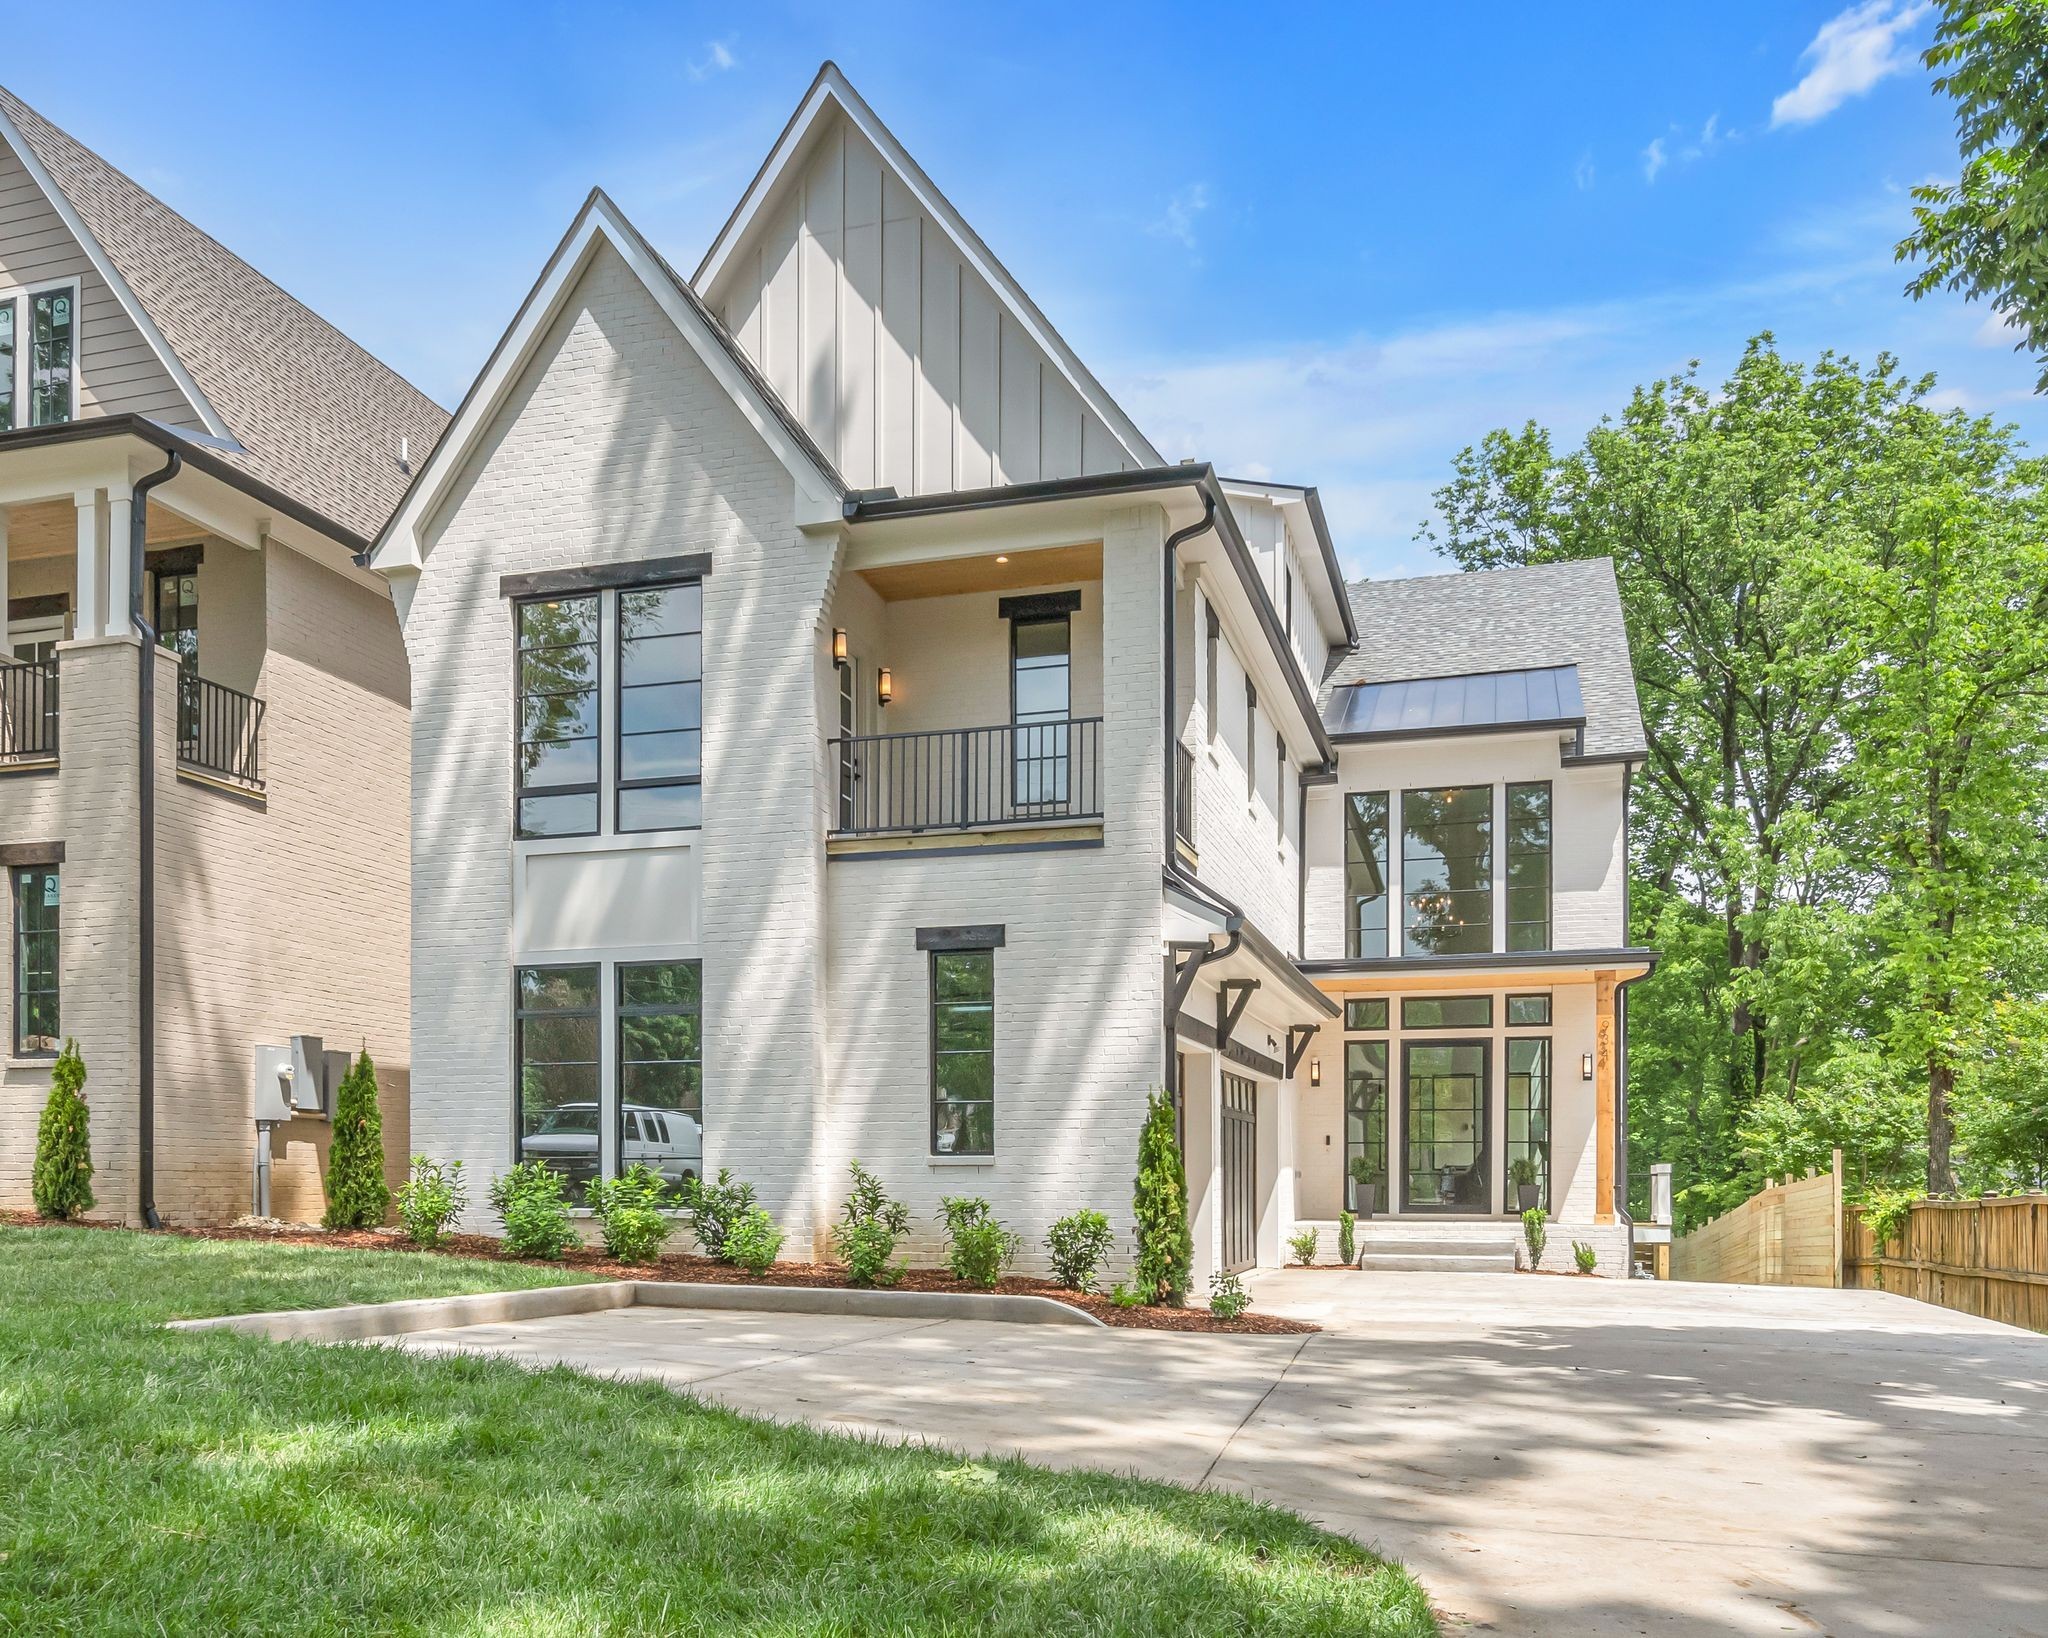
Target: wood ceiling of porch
pixel 984 572
pixel 50 529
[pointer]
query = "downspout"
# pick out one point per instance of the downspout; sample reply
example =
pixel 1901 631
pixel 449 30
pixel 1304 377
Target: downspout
pixel 145 699
pixel 1171 857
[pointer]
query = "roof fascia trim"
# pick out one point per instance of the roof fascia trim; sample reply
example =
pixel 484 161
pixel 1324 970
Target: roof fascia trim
pixel 397 549
pixel 1480 965
pixel 124 293
pixel 831 88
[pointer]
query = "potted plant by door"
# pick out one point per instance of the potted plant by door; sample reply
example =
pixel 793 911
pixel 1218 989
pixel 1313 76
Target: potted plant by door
pixel 1363 1188
pixel 1522 1173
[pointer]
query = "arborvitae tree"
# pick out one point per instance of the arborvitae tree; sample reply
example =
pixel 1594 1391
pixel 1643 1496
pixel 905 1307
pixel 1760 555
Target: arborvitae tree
pixel 1159 1204
pixel 62 1180
pixel 357 1195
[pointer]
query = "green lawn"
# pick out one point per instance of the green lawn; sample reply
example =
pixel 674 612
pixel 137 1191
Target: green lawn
pixel 168 1482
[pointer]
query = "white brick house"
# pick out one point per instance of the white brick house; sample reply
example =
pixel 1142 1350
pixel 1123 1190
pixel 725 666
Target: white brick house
pixel 839 734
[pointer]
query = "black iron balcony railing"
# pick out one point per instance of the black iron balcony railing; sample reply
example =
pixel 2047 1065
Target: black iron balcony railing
pixel 964 778
pixel 28 710
pixel 220 730
pixel 1184 794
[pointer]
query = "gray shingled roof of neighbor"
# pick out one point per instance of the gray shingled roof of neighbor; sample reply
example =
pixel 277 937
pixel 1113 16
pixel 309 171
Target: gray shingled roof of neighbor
pixel 317 416
pixel 1466 625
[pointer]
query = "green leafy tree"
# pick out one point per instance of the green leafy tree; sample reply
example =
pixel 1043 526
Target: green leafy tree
pixel 1159 1207
pixel 61 1180
pixel 357 1194
pixel 1986 233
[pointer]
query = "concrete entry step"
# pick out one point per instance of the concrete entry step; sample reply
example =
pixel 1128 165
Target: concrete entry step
pixel 1464 1245
pixel 1425 1262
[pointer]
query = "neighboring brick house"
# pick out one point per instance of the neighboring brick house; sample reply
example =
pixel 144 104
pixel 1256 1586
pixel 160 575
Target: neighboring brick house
pixel 277 898
pixel 839 734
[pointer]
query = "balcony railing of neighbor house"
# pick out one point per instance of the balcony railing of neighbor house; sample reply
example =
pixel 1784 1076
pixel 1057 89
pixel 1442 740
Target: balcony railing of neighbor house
pixel 1184 794
pixel 220 730
pixel 28 710
pixel 964 778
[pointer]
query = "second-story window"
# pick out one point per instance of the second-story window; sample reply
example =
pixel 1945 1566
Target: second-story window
pixel 1280 787
pixel 1213 700
pixel 661 708
pixel 1365 875
pixel 1447 871
pixel 1041 697
pixel 8 312
pixel 1251 740
pixel 1528 851
pixel 52 336
pixel 558 747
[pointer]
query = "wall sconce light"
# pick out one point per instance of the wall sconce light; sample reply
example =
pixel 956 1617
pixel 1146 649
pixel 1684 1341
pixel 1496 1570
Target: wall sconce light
pixel 839 645
pixel 1586 1067
pixel 885 689
pixel 1315 1072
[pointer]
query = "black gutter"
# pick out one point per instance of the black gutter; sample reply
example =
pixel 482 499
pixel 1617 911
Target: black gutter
pixel 196 451
pixel 145 932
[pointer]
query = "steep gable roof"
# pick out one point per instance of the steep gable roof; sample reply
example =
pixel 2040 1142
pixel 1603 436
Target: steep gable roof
pixel 599 223
pixel 1455 625
pixel 938 296
pixel 315 415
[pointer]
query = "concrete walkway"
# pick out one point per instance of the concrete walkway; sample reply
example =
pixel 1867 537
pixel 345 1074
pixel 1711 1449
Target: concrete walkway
pixel 1551 1456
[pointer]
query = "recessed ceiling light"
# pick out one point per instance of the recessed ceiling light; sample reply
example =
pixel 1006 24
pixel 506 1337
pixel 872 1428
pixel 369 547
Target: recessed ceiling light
pixel 1000 558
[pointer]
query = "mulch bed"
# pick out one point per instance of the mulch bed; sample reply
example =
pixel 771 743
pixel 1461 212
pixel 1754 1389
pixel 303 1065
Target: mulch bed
pixel 681 1266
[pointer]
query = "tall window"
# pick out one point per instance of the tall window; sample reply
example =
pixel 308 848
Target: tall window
pixel 1251 741
pixel 175 609
pixel 661 708
pixel 36 1021
pixel 1447 871
pixel 1213 700
pixel 8 310
pixel 52 331
pixel 1529 1107
pixel 1365 874
pixel 1528 849
pixel 1280 787
pixel 661 1068
pixel 1041 702
pixel 559 1071
pixel 558 758
pixel 963 1052
pixel 1365 1122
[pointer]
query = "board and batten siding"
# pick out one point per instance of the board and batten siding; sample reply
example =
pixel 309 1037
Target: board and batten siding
pixel 117 372
pixel 897 356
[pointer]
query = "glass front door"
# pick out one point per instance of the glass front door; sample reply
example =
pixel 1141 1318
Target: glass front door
pixel 1444 1126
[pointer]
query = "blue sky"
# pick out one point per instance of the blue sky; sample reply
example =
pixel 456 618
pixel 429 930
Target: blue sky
pixel 1325 247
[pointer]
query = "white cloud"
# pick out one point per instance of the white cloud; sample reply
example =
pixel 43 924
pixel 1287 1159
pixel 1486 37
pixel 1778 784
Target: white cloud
pixel 1852 52
pixel 717 59
pixel 1177 222
pixel 1653 159
pixel 1582 173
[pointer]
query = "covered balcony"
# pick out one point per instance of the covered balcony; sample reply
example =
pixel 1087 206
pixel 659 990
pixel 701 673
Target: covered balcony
pixel 968 695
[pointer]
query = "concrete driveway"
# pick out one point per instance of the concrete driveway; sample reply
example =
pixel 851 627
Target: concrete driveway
pixel 1550 1455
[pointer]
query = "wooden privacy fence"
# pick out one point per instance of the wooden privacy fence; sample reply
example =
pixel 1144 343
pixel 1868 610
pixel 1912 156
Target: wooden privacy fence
pixel 1789 1233
pixel 1984 1257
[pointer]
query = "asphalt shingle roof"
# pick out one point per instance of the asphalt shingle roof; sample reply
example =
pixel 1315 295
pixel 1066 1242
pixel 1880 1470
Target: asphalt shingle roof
pixel 317 416
pixel 1452 625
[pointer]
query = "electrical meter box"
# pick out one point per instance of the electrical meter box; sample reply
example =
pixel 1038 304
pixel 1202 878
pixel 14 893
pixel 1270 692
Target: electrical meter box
pixel 296 1080
pixel 309 1075
pixel 270 1081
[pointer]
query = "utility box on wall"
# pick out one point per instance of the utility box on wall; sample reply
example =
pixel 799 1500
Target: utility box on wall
pixel 295 1081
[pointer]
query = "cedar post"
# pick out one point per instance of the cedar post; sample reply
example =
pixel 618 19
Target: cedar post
pixel 1604 1099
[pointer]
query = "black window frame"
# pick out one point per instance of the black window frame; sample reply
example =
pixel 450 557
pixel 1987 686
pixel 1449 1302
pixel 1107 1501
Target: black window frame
pixel 1212 684
pixel 935 953
pixel 521 1013
pixel 1251 741
pixel 32 299
pixel 1280 786
pixel 1478 1022
pixel 621 785
pixel 1355 1053
pixel 1354 942
pixel 623 1011
pixel 1547 1055
pixel 1041 747
pixel 1481 940
pixel 1543 998
pixel 1512 857
pixel 19 935
pixel 9 354
pixel 592 788
pixel 1357 1021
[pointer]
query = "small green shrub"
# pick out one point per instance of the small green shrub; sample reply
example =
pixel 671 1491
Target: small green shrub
pixel 433 1195
pixel 713 1209
pixel 531 1201
pixel 61 1181
pixel 628 1209
pixel 1347 1238
pixel 978 1248
pixel 1228 1298
pixel 752 1241
pixel 1159 1209
pixel 357 1195
pixel 1887 1211
pixel 1532 1233
pixel 1077 1246
pixel 1584 1256
pixel 865 1235
pixel 1130 1296
pixel 1305 1244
